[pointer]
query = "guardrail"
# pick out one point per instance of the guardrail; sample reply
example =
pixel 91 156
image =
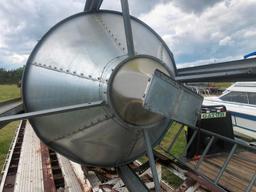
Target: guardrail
pixel 10 107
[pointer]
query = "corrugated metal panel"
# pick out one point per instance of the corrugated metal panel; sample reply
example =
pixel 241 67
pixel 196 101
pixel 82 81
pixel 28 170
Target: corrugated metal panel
pixel 29 176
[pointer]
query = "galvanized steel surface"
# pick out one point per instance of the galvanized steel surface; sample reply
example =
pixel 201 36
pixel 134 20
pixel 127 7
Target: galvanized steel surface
pixel 172 100
pixel 74 63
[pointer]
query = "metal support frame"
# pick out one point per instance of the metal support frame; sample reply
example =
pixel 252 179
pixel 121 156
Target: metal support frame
pixel 131 179
pixel 127 28
pixel 190 141
pixel 151 160
pixel 175 138
pixel 50 111
pixel 10 107
pixel 225 164
pixel 250 186
pixel 237 70
pixel 205 152
pixel 92 5
pixel 212 182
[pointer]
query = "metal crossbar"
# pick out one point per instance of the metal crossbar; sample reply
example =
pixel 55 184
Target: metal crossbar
pixel 205 152
pixel 175 138
pixel 226 163
pixel 250 186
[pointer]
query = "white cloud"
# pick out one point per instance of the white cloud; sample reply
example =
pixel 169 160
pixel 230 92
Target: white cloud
pixel 195 31
pixel 18 58
pixel 226 41
pixel 209 61
pixel 196 37
pixel 22 24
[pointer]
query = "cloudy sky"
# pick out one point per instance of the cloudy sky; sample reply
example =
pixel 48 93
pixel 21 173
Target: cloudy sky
pixel 196 31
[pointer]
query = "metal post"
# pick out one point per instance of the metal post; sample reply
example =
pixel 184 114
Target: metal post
pixel 127 27
pixel 92 5
pixel 131 179
pixel 151 160
pixel 190 141
pixel 175 138
pixel 46 112
pixel 250 186
pixel 205 152
pixel 225 164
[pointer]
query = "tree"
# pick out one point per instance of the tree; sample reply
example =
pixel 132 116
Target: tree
pixel 11 76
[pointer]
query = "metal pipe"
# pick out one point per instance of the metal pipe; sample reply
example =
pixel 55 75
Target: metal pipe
pixel 250 186
pixel 131 179
pixel 190 142
pixel 237 70
pixel 151 160
pixel 51 111
pixel 92 5
pixel 205 152
pixel 127 28
pixel 225 164
pixel 224 138
pixel 175 138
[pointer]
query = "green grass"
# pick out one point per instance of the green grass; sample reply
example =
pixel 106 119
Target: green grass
pixel 222 85
pixel 8 92
pixel 177 151
pixel 6 136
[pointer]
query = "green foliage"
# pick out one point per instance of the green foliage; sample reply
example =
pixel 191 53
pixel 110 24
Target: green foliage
pixel 177 151
pixel 6 136
pixel 11 77
pixel 8 92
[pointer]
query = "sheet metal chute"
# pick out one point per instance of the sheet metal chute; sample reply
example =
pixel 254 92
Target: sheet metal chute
pixel 99 88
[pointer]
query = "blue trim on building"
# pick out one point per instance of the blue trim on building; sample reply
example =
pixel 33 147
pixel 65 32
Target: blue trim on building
pixel 244 116
pixel 246 128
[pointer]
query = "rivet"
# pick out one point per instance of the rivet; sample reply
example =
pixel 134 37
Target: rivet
pixel 90 76
pixel 74 72
pixel 61 69
pixel 67 70
pixel 82 74
pixel 119 44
